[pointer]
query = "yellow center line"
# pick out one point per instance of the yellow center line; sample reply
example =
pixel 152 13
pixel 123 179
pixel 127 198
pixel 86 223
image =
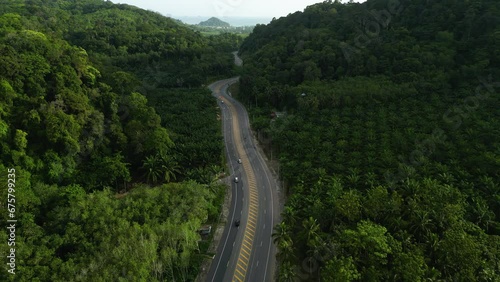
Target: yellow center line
pixel 245 251
pixel 242 275
pixel 241 266
pixel 249 243
pixel 251 224
pixel 253 207
pixel 247 247
pixel 246 256
pixel 253 217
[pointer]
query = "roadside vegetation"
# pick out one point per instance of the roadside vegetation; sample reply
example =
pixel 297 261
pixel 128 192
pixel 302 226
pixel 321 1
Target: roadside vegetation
pixel 388 140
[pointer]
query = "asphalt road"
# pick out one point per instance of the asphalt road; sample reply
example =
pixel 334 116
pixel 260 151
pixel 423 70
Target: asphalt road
pixel 245 253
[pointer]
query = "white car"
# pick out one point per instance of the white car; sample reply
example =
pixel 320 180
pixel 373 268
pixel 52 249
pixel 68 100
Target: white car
pixel 239 161
pixel 236 180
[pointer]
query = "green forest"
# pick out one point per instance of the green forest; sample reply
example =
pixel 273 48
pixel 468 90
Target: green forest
pixel 114 139
pixel 388 138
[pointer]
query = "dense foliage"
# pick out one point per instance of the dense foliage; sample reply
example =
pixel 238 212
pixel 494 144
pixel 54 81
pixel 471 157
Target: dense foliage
pixel 94 113
pixel 388 138
pixel 198 145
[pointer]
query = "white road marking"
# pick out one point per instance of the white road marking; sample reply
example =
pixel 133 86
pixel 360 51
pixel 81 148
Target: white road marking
pixel 234 209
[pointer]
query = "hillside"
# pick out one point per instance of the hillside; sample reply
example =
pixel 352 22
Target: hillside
pixel 214 22
pixel 98 106
pixel 388 140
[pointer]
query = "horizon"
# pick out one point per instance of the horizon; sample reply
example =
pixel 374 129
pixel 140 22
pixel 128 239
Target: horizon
pixel 233 21
pixel 224 8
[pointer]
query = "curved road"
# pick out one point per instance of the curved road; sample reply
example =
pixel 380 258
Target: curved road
pixel 245 253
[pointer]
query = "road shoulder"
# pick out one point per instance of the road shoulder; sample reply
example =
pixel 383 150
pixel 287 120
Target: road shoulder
pixel 218 231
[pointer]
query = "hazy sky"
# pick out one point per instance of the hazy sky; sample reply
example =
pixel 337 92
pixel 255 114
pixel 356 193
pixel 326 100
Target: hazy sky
pixel 223 8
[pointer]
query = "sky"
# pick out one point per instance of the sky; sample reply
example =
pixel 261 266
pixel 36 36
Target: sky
pixel 223 8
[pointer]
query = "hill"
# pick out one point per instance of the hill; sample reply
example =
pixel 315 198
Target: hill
pixel 389 141
pixel 214 22
pixel 97 106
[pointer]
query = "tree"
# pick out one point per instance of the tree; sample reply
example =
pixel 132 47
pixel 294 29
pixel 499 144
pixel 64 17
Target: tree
pixel 287 272
pixel 281 238
pixel 153 168
pixel 369 245
pixel 310 231
pixel 349 205
pixel 340 269
pixel 459 253
pixel 169 166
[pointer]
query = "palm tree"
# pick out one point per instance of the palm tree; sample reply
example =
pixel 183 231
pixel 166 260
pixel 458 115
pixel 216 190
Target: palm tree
pixel 484 217
pixel 311 231
pixel 169 166
pixel 216 171
pixel 353 178
pixel 283 240
pixel 370 179
pixel 422 224
pixel 288 215
pixel 153 169
pixel 311 234
pixel 287 272
pixel 280 233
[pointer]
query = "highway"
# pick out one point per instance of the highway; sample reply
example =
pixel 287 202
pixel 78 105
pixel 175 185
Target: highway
pixel 246 252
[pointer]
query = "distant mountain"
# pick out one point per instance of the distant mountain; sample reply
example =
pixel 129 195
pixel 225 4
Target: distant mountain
pixel 214 22
pixel 233 21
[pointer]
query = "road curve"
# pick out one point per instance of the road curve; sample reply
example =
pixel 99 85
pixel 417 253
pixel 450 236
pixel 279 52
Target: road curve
pixel 245 253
